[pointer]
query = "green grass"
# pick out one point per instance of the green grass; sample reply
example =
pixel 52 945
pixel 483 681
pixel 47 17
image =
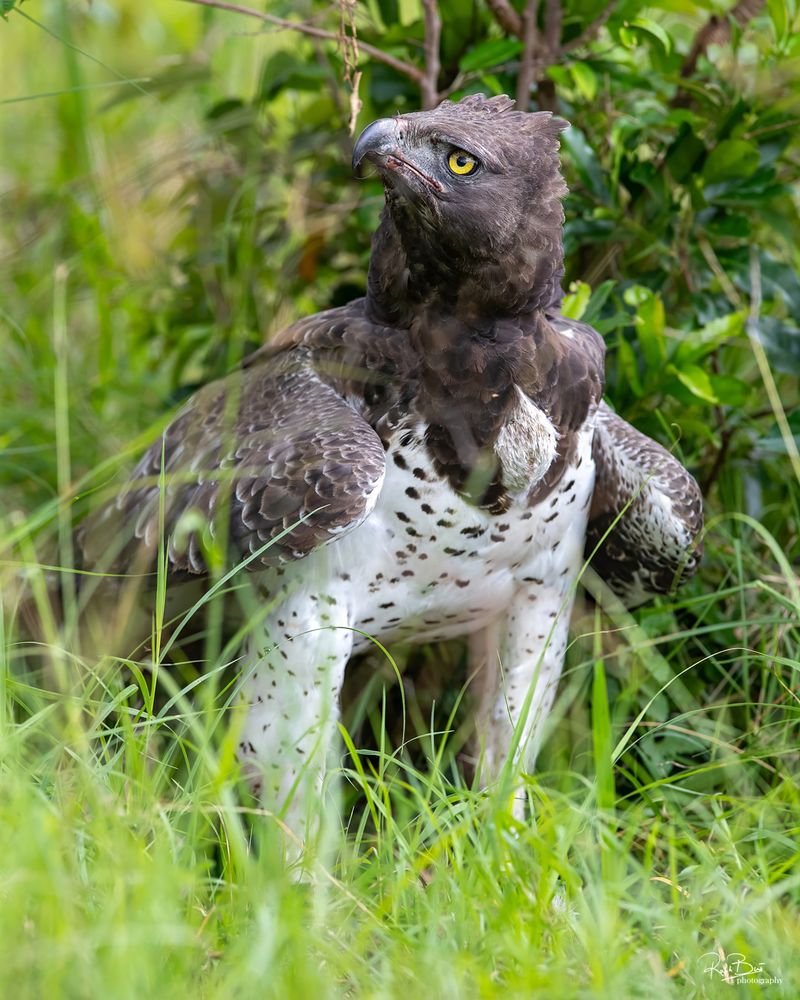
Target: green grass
pixel 665 810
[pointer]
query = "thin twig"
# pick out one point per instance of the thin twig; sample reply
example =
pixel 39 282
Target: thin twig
pixel 590 30
pixel 505 15
pixel 530 40
pixel 399 65
pixel 433 32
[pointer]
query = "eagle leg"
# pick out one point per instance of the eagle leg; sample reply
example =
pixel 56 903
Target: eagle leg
pixel 291 690
pixel 517 661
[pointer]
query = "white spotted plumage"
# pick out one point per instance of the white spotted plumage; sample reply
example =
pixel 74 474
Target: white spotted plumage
pixel 423 566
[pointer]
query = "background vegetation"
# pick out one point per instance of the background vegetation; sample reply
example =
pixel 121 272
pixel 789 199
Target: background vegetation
pixel 174 189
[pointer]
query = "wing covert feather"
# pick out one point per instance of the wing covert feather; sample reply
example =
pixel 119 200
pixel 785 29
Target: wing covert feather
pixel 252 453
pixel 657 506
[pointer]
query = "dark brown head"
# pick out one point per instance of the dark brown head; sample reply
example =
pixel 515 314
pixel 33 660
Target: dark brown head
pixel 473 207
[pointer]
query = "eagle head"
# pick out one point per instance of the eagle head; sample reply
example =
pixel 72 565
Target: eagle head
pixel 473 205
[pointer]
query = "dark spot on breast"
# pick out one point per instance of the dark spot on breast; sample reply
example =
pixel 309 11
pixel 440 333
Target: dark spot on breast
pixel 413 532
pixel 412 492
pixel 454 552
pixel 462 583
pixel 426 508
pixel 388 604
pixel 503 527
pixel 526 515
pixel 402 516
pixel 344 576
pixel 442 523
pixel 496 538
pixel 473 532
pixel 407 572
pixel 399 461
pixel 552 517
pixel 420 473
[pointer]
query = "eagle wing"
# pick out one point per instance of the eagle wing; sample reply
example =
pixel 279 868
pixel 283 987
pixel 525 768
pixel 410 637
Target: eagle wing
pixel 651 507
pixel 248 457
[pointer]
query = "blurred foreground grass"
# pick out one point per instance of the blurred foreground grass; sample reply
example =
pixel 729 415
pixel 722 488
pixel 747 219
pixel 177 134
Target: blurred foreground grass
pixel 151 233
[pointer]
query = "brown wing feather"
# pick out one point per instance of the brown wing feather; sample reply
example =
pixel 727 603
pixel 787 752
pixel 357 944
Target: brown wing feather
pixel 252 453
pixel 654 545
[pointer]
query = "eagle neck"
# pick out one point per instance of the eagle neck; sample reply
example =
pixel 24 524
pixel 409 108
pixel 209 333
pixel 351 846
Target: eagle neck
pixel 410 273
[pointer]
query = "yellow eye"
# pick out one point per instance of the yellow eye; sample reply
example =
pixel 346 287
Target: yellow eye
pixel 461 163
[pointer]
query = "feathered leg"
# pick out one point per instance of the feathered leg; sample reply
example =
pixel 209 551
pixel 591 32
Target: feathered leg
pixel 292 692
pixel 519 658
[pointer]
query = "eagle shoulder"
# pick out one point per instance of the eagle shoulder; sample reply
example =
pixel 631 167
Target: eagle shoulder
pixel 248 457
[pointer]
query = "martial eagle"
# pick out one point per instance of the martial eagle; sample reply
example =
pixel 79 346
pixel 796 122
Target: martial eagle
pixel 429 461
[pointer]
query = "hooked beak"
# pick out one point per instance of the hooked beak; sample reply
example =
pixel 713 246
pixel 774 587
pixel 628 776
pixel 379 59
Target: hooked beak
pixel 382 143
pixel 376 142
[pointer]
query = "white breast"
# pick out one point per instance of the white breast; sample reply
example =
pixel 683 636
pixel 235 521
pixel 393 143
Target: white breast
pixel 426 565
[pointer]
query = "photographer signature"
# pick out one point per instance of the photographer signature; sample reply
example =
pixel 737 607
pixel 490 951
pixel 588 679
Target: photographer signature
pixel 731 968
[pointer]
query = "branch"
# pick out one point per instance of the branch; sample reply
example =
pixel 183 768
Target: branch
pixel 553 16
pixel 530 39
pixel 406 69
pixel 505 15
pixel 433 31
pixel 717 31
pixel 590 30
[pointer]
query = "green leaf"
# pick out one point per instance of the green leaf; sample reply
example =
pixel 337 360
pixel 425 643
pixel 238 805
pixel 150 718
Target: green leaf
pixel 585 79
pixel 695 380
pixel 699 343
pixel 490 53
pixel 628 367
pixel 575 303
pixel 731 158
pixel 584 160
pixel 649 320
pixel 651 27
pixel 729 390
pixel 409 12
pixel 599 298
pixel 779 15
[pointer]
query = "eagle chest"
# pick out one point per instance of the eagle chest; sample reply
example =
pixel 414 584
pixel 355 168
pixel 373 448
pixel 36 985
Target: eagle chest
pixel 427 565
